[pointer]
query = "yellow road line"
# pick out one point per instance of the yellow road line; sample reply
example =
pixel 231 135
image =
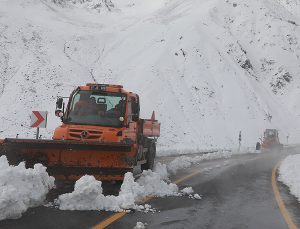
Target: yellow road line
pixel 280 203
pixel 109 220
pixel 187 177
pixel 119 215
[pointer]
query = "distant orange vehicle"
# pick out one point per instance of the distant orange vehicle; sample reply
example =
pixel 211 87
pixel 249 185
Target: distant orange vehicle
pixel 271 140
pixel 101 134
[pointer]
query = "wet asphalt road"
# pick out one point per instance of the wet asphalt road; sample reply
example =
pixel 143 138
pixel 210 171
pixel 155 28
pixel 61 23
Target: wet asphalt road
pixel 236 193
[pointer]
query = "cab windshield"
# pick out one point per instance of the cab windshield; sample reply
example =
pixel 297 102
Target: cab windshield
pixel 270 133
pixel 96 108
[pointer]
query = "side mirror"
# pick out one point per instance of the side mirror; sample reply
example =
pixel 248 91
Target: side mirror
pixel 59 103
pixel 59 111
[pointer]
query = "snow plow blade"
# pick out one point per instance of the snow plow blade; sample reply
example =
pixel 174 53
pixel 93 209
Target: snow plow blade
pixel 69 160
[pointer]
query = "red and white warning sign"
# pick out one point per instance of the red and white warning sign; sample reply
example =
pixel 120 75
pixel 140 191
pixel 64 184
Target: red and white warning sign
pixel 39 119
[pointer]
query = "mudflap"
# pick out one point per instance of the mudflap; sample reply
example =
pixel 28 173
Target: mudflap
pixel 69 160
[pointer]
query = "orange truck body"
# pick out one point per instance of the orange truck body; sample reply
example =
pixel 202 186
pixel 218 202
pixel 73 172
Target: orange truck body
pixel 103 144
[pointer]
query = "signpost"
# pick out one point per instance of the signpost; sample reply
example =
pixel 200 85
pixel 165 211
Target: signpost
pixel 38 120
pixel 240 139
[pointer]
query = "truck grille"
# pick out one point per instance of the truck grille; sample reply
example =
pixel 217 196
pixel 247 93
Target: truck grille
pixel 85 134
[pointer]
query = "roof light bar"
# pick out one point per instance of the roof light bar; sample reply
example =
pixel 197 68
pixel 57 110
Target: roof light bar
pixel 102 87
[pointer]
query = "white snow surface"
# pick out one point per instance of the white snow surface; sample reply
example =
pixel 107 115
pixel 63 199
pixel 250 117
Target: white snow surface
pixel 289 174
pixel 208 68
pixel 21 188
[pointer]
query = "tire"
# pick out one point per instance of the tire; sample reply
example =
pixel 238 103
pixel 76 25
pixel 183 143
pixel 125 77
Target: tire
pixel 151 153
pixel 258 146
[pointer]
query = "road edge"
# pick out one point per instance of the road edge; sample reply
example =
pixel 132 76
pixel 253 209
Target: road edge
pixel 284 212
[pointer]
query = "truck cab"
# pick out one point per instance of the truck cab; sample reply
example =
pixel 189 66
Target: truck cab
pixel 98 112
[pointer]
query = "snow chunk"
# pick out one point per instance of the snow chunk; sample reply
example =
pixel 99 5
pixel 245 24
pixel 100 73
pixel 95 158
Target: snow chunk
pixel 197 196
pixel 21 188
pixel 184 162
pixel 87 195
pixel 145 208
pixel 187 191
pixel 155 184
pixel 140 225
pixel 289 174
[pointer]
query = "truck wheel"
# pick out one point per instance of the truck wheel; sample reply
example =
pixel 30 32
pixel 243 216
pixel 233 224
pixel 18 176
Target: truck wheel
pixel 150 157
pixel 258 146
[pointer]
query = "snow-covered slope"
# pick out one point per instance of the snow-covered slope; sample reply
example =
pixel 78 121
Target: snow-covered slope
pixel 209 68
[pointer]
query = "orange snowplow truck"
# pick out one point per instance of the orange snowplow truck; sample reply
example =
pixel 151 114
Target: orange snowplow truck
pixel 101 134
pixel 271 140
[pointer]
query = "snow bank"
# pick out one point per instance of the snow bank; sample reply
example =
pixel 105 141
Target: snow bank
pixel 289 174
pixel 21 188
pixel 184 162
pixel 87 194
pixel 169 152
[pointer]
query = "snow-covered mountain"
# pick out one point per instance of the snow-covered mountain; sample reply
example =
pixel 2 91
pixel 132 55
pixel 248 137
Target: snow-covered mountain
pixel 209 68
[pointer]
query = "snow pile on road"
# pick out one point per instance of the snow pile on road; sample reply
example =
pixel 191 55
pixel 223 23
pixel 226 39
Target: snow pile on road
pixel 289 174
pixel 184 162
pixel 21 188
pixel 87 194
